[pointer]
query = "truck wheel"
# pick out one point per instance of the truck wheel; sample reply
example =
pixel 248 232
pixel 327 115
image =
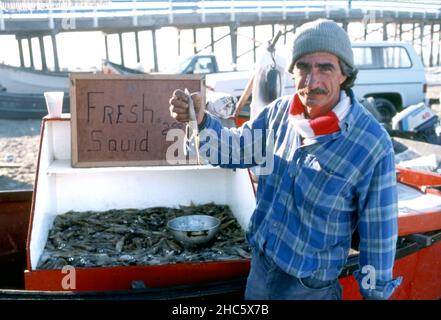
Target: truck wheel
pixel 369 104
pixel 386 109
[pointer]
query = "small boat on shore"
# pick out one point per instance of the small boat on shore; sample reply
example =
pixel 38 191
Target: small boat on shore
pixel 22 91
pixel 416 260
pixel 109 67
pixel 417 257
pixel 20 106
pixel 30 81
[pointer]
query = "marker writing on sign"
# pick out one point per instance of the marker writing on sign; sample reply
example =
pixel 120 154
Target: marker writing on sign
pixel 101 143
pixel 119 113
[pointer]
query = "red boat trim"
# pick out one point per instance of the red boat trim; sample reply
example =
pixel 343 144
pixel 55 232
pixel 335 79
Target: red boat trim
pixel 121 278
pixel 426 182
pixel 15 195
pixel 417 223
pixel 418 179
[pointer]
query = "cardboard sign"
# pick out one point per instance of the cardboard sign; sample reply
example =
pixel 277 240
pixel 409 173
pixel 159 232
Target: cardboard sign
pixel 122 120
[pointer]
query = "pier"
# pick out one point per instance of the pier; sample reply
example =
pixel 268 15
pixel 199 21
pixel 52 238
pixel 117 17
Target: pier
pixel 418 21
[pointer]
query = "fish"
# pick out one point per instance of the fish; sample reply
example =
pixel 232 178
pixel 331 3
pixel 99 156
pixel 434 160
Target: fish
pixel 130 236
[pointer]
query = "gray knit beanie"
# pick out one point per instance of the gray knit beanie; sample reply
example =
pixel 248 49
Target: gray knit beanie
pixel 322 35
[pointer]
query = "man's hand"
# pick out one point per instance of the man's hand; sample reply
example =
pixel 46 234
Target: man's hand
pixel 179 106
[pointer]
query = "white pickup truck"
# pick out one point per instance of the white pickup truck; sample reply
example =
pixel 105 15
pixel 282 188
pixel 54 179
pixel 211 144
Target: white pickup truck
pixel 390 72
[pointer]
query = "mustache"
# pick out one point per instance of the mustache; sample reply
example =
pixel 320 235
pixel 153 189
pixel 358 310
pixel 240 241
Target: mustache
pixel 307 91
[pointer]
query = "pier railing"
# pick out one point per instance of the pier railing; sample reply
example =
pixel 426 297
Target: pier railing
pixel 117 8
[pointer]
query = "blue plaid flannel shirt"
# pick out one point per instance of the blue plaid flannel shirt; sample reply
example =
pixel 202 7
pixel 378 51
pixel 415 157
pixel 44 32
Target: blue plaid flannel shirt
pixel 316 195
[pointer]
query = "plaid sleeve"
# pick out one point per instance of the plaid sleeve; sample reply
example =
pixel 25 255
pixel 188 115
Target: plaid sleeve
pixel 242 147
pixel 378 214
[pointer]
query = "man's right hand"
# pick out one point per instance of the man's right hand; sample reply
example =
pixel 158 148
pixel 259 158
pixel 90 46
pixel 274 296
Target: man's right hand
pixel 179 106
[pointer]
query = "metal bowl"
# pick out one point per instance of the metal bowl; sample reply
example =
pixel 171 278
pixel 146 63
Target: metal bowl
pixel 194 230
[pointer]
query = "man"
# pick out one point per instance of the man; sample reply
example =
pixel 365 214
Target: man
pixel 332 171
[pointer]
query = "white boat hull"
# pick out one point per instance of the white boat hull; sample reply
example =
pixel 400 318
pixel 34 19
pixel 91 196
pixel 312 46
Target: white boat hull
pixel 21 80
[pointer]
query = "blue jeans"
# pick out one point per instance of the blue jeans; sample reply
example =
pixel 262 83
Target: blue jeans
pixel 267 281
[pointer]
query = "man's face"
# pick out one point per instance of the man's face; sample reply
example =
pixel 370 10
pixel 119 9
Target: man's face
pixel 317 79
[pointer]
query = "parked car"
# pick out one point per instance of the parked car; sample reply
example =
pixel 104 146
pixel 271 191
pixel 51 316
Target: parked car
pixel 196 64
pixel 392 73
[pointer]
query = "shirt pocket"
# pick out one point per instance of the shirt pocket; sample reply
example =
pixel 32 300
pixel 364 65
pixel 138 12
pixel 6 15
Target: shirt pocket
pixel 321 192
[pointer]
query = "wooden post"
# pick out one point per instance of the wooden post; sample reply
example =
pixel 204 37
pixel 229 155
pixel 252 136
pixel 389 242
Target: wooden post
pixel 212 39
pixel 431 46
pixel 365 31
pixel 254 44
pixel 31 54
pixel 121 49
pixel 138 57
pixel 233 37
pixel 42 53
pixel 106 44
pixel 413 34
pixel 439 45
pixel 179 42
pixel 384 31
pixel 20 49
pixel 155 51
pixel 284 34
pixel 421 41
pixel 195 47
pixel 55 52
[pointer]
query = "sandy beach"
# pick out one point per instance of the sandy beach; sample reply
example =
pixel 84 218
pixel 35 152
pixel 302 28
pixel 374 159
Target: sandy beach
pixel 19 143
